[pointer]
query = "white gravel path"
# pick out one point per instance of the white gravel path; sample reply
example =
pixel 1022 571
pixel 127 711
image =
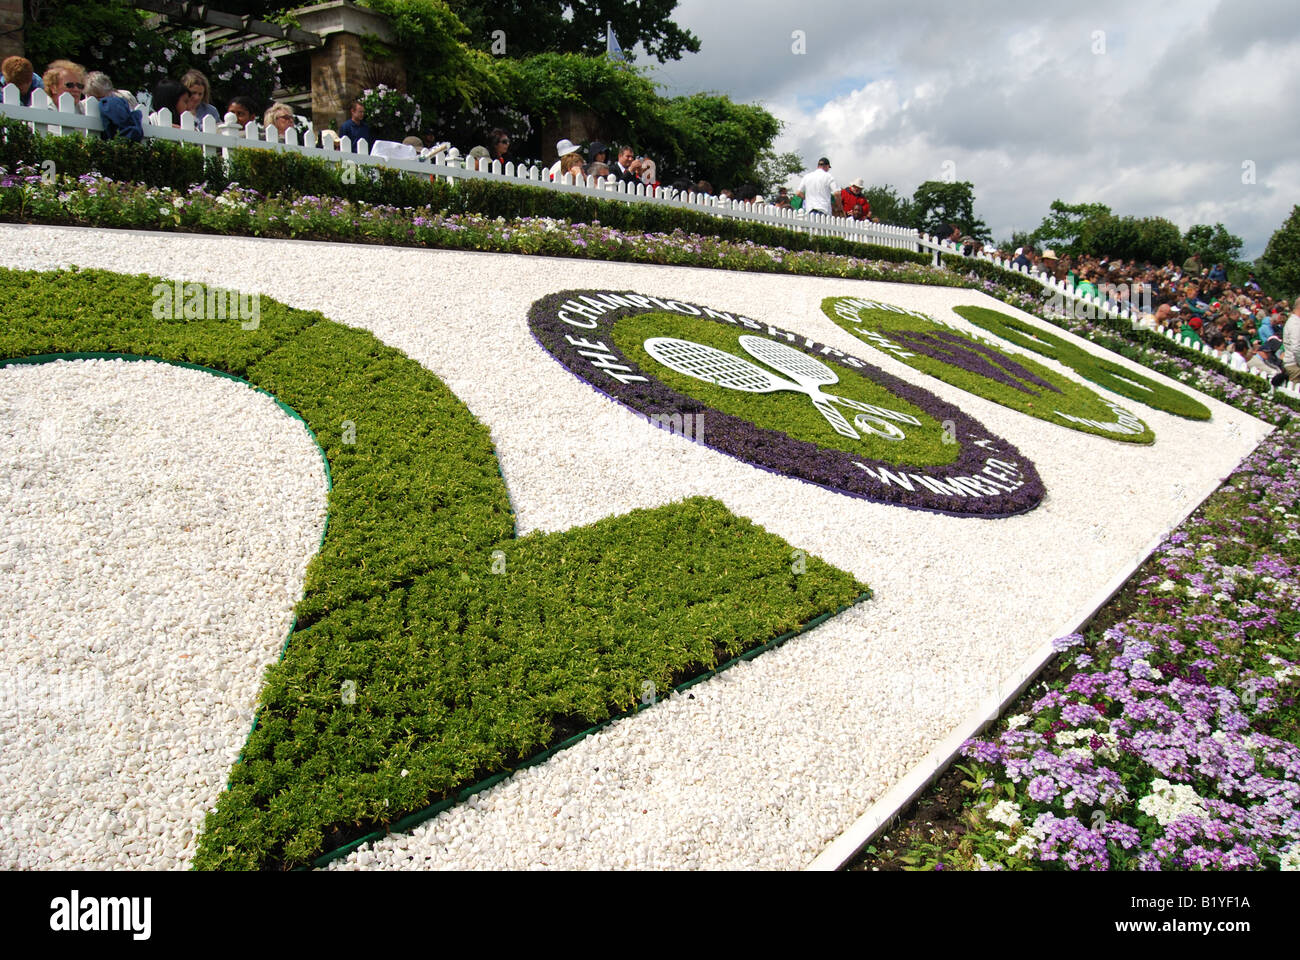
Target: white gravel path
pixel 764 765
pixel 155 527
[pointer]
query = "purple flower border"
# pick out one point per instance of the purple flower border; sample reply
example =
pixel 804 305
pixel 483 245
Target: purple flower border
pixel 776 452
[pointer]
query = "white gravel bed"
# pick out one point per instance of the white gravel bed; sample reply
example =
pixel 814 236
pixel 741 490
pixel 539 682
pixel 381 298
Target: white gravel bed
pixel 155 527
pixel 765 764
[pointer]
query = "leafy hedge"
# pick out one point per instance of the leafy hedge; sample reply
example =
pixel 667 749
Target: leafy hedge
pixel 1100 371
pixel 459 671
pixel 976 367
pixel 276 173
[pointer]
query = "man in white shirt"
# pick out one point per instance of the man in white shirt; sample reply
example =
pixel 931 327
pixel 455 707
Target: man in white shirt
pixel 820 192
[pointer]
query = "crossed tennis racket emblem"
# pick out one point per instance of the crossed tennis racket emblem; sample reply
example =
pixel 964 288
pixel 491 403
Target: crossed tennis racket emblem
pixel 807 376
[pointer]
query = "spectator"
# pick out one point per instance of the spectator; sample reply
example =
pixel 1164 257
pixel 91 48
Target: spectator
pixel 1023 259
pixel 18 71
pixel 572 164
pixel 244 109
pixel 564 148
pixel 598 169
pixel 705 188
pixel 599 152
pixel 64 76
pixel 1251 283
pixel 119 117
pixel 627 168
pixel 170 95
pixel 1218 274
pixel 852 201
pixel 1088 288
pixel 279 116
pixel 355 127
pixel 498 146
pixel 199 103
pixel 1291 345
pixel 820 192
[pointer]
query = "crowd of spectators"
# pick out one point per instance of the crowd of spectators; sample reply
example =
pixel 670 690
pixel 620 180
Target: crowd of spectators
pixel 1197 303
pixel 123 111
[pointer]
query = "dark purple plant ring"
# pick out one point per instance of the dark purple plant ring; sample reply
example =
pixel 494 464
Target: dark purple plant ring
pixel 988 478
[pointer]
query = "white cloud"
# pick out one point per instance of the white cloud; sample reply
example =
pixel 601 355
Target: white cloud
pixel 1024 104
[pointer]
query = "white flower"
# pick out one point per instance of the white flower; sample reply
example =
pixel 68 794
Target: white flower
pixel 1005 812
pixel 1290 858
pixel 1167 585
pixel 1167 802
pixel 1024 845
pixel 1016 722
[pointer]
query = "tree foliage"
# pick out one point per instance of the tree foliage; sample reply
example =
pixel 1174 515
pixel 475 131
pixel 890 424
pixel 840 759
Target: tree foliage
pixel 1213 244
pixel 707 136
pixel 937 202
pixel 1064 226
pixel 1279 267
pixel 888 206
pixel 774 170
pixel 443 74
pixel 534 26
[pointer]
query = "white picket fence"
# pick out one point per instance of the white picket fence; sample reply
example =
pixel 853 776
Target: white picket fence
pixel 220 138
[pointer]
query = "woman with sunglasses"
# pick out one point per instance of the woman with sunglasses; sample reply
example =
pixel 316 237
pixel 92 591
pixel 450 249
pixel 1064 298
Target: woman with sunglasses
pixel 64 76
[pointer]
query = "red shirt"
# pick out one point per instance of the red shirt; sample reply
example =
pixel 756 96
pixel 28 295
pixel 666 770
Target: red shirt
pixel 849 199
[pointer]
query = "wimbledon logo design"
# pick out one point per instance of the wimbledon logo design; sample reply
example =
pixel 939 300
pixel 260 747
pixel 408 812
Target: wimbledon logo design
pixel 784 403
pixel 980 367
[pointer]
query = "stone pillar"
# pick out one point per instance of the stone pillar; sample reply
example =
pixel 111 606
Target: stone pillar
pixel 11 29
pixel 338 68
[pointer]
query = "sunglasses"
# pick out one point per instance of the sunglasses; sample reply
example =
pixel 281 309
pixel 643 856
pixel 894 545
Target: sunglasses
pixel 74 86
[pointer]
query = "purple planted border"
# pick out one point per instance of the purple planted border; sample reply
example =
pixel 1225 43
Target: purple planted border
pixel 993 479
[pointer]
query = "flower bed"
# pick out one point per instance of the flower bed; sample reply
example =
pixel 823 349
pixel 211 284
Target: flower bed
pixel 938 459
pixel 456 671
pixel 1209 375
pixel 981 367
pixel 1100 371
pixel 1171 737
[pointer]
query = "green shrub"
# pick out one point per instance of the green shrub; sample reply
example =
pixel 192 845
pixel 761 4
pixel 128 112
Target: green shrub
pixel 460 670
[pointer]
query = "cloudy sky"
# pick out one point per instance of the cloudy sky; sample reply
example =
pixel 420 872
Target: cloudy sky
pixel 1155 107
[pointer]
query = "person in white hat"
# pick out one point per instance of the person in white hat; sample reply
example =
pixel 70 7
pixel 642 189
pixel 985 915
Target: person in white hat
pixel 854 203
pixel 563 148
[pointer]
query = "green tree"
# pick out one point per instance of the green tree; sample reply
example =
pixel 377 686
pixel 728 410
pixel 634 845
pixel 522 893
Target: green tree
pixel 530 27
pixel 888 206
pixel 1279 267
pixel 1064 226
pixel 775 170
pixel 444 75
pixel 707 136
pixel 1213 244
pixel 935 203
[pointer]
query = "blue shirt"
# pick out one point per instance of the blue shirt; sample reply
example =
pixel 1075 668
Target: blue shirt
pixel 120 120
pixel 357 131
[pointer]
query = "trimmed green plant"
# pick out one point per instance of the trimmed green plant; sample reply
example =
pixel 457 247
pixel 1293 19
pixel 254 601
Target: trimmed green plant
pixel 1104 373
pixel 470 650
pixel 791 413
pixel 977 366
